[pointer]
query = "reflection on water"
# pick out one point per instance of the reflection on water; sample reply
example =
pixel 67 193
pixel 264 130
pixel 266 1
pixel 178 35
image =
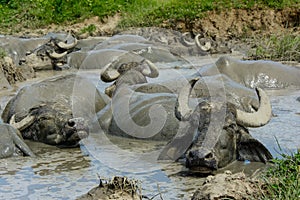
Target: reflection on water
pixel 68 173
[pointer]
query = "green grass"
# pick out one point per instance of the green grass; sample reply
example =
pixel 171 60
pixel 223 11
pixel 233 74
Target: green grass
pixel 39 13
pixel 282 181
pixel 284 47
pixel 2 53
pixel 89 29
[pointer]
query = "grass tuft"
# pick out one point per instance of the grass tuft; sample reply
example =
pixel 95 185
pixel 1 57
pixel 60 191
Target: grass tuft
pixel 283 179
pixel 285 47
pixel 2 53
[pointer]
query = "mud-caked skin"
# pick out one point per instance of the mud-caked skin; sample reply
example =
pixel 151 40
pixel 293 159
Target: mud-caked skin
pixel 46 110
pixel 263 74
pixel 126 74
pixel 218 132
pixel 232 143
pixel 55 127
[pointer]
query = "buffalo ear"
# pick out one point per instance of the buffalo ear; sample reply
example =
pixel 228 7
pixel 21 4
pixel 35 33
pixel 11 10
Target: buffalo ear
pixel 251 149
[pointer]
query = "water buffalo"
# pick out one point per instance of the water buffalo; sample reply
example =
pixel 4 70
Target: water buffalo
pixel 127 48
pixel 129 73
pixel 17 48
pixel 55 111
pixel 263 74
pixel 183 44
pixel 151 116
pixel 221 136
pixel 39 53
pixel 11 144
pixel 135 97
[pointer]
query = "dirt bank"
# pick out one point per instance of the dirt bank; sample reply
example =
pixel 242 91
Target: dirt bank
pixel 240 22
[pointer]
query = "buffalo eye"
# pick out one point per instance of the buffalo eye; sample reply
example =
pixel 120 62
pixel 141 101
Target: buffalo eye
pixel 208 156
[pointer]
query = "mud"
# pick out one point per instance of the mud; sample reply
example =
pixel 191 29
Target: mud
pixel 10 72
pixel 117 188
pixel 228 186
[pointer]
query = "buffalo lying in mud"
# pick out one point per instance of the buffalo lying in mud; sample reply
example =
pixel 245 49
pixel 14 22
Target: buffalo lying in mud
pixel 39 53
pixel 126 48
pixel 126 117
pixel 130 73
pixel 217 133
pixel 11 144
pixel 55 111
pixel 263 74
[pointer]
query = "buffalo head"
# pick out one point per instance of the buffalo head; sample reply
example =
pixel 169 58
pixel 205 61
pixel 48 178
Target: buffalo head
pixel 51 124
pixel 129 73
pixel 221 136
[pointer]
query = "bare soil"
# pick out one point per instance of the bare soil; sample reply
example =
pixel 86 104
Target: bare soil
pixel 229 186
pixel 240 22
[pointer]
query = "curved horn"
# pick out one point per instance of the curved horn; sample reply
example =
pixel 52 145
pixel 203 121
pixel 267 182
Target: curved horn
pixel 64 45
pixel 185 41
pixel 182 109
pixel 109 74
pixel 57 55
pixel 259 118
pixel 205 47
pixel 24 123
pixel 150 71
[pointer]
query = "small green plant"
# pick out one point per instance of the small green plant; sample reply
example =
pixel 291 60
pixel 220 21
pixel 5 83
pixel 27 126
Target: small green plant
pixel 2 53
pixel 89 29
pixel 283 179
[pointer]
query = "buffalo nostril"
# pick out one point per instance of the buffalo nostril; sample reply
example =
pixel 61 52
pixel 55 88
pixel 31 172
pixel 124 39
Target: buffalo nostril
pixel 191 154
pixel 209 156
pixel 71 123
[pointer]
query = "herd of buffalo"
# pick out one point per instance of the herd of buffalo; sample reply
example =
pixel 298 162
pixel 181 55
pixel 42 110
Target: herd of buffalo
pixel 202 116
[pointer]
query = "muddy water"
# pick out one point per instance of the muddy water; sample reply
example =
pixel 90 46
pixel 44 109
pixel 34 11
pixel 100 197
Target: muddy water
pixel 69 173
pixel 285 125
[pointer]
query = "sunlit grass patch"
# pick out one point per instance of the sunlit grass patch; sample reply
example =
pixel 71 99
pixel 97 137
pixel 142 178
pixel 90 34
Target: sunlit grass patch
pixel 282 181
pixel 285 47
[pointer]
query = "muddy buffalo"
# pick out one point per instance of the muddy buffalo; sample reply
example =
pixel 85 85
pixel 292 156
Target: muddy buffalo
pixel 45 111
pixel 217 133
